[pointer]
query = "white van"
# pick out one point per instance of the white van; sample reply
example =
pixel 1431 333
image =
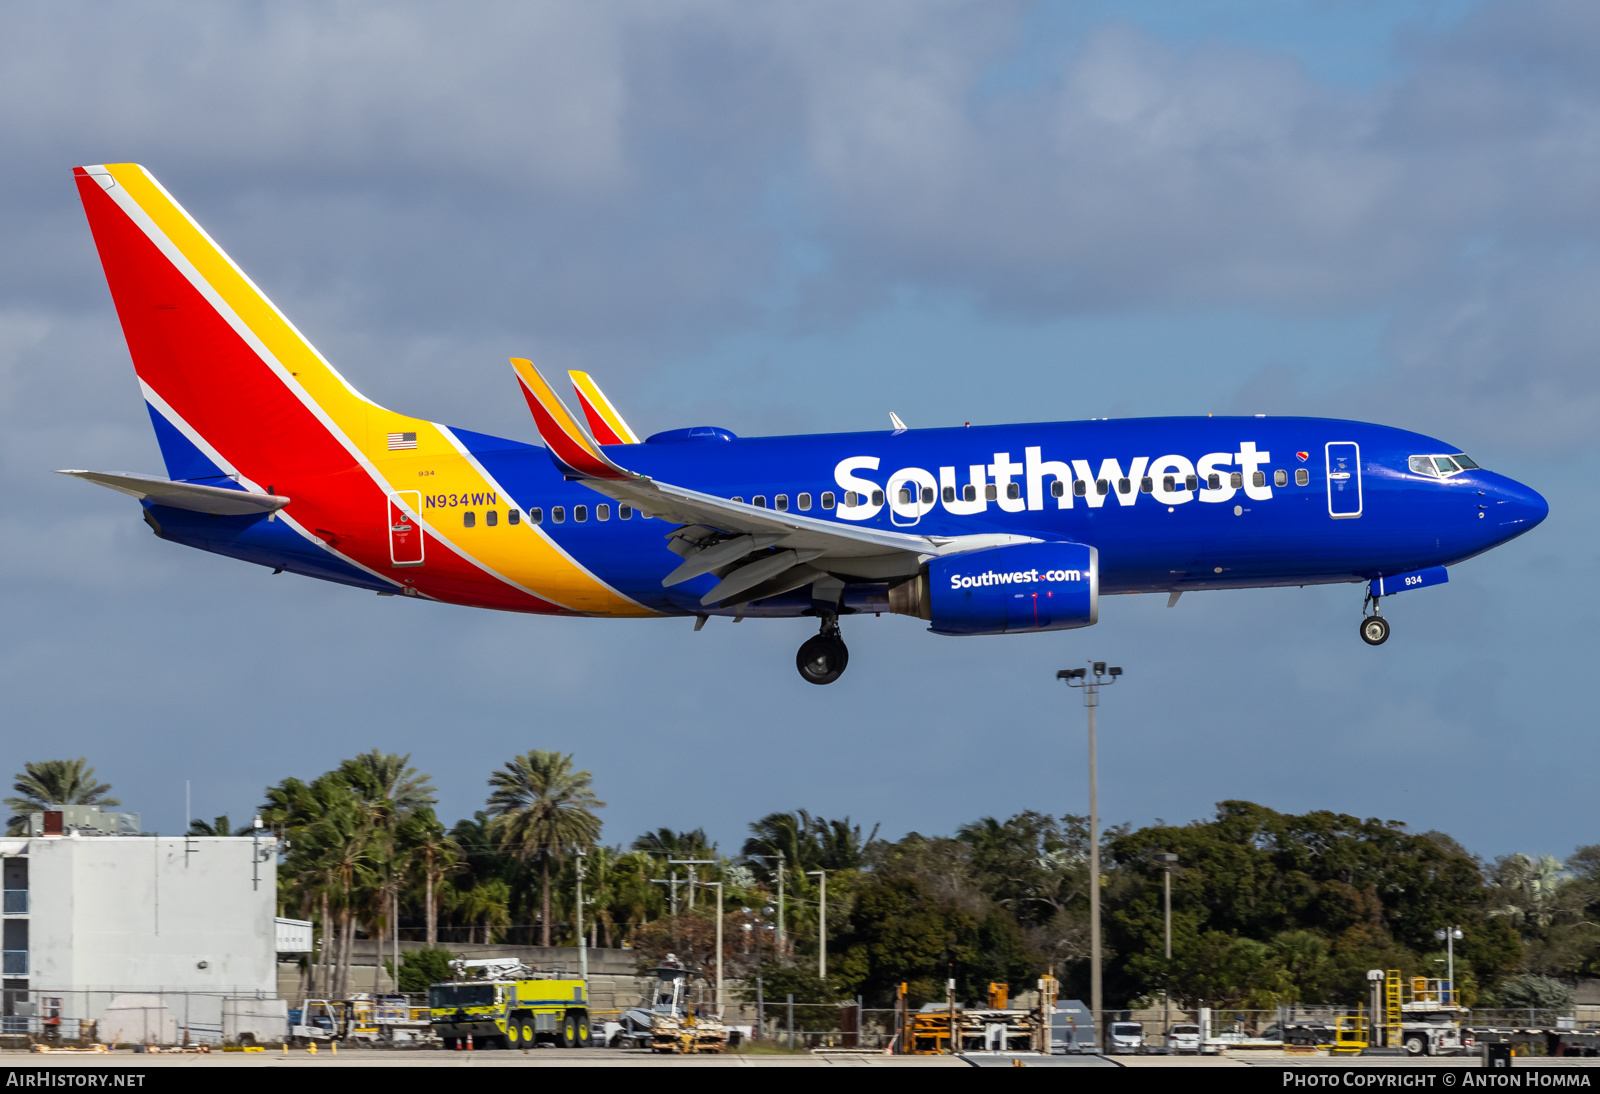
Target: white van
pixel 1184 1040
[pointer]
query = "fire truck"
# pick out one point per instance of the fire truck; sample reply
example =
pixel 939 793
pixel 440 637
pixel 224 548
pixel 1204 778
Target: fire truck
pixel 506 1004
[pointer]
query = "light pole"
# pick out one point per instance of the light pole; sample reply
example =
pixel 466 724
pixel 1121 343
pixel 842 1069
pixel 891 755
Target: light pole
pixel 1167 860
pixel 583 943
pixel 718 885
pixel 769 858
pixel 1091 685
pixel 822 924
pixel 1449 936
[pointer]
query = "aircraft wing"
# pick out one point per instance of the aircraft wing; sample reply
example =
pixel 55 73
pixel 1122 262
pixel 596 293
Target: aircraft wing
pixel 715 535
pixel 217 500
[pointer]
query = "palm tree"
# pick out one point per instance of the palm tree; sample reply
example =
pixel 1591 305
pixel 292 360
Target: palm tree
pixel 433 856
pixel 217 827
pixel 489 903
pixel 541 807
pixel 52 783
pixel 387 777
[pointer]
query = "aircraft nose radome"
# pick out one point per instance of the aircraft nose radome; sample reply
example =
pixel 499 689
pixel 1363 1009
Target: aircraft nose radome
pixel 1520 506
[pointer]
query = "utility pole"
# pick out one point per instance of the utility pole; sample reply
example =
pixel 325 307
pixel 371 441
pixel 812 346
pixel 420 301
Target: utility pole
pixel 672 881
pixel 822 924
pixel 718 885
pixel 691 863
pixel 769 858
pixel 1080 678
pixel 583 943
pixel 1167 859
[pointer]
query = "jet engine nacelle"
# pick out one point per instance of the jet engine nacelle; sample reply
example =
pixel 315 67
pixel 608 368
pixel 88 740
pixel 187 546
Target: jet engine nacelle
pixel 1006 590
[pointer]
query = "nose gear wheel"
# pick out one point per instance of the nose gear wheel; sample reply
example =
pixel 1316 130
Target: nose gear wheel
pixel 1374 627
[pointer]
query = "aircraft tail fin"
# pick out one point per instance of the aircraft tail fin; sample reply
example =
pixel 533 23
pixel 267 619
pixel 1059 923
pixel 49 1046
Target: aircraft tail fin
pixel 605 423
pixel 572 450
pixel 233 389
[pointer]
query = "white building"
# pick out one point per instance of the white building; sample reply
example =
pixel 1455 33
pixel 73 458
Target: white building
pixel 91 917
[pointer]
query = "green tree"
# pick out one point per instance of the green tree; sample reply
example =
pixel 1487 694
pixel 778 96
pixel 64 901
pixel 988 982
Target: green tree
pixel 50 784
pixel 420 969
pixel 541 809
pixel 217 826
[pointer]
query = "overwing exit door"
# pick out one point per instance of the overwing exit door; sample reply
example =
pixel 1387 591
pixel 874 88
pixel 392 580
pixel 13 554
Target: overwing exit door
pixel 1344 479
pixel 405 535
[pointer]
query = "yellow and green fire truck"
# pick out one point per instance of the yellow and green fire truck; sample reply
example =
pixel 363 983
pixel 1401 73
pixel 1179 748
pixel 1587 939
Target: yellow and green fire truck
pixel 511 1009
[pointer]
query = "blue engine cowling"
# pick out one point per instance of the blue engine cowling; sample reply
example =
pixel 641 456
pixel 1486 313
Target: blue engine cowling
pixel 1006 590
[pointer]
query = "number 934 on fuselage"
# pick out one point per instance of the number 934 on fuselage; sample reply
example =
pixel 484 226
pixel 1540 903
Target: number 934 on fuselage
pixel 273 457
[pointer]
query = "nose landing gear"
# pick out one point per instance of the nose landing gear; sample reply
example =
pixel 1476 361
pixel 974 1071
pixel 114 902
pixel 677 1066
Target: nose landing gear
pixel 823 657
pixel 1374 627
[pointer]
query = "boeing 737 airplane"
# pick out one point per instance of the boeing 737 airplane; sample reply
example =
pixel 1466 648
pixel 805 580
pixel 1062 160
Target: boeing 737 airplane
pixel 274 458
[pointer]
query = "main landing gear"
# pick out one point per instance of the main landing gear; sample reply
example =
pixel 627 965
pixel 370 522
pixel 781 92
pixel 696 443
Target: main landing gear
pixel 1374 627
pixel 823 657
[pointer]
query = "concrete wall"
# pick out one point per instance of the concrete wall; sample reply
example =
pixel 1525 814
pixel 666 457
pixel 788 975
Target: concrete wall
pixel 129 913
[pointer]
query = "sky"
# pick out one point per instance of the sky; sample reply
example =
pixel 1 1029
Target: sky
pixel 797 217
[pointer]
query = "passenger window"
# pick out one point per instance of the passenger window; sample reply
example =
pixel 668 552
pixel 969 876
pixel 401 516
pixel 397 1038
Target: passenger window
pixel 1123 486
pixel 492 517
pixel 877 497
pixel 969 493
pixel 469 519
pixel 759 501
pixel 1445 464
pixel 990 492
pixel 602 512
pixel 1258 478
pixel 580 513
pixel 1214 481
pixel 514 516
pixel 558 513
pixel 1146 485
pixel 803 503
pixel 1058 489
pixel 1080 487
pixel 850 499
pixel 1102 486
pixel 1236 479
pixel 1302 477
pixel 624 512
pixel 827 499
pixel 1013 490
pixel 738 499
pixel 781 503
pixel 1280 477
pixel 905 495
pixel 536 515
pixel 927 495
pixel 1191 482
pixel 1169 484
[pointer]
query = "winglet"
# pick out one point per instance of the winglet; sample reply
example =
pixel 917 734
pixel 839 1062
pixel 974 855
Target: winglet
pixel 568 444
pixel 604 421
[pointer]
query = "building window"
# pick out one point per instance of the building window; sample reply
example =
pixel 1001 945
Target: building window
pixel 827 499
pixel 558 513
pixel 492 517
pixel 514 516
pixel 803 502
pixel 536 515
pixel 469 519
pixel 602 512
pixel 781 503
pixel 624 512
pixel 1302 477
pixel 1280 477
pixel 580 513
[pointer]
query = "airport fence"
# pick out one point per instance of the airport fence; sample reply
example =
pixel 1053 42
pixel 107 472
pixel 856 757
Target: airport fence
pixel 157 1016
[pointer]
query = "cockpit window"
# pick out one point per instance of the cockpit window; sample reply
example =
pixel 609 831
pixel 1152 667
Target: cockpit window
pixel 1440 466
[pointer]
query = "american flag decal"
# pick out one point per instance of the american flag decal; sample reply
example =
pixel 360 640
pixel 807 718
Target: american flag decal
pixel 398 441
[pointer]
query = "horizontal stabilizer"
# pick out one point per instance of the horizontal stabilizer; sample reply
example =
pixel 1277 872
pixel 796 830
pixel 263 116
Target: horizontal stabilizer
pixel 219 501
